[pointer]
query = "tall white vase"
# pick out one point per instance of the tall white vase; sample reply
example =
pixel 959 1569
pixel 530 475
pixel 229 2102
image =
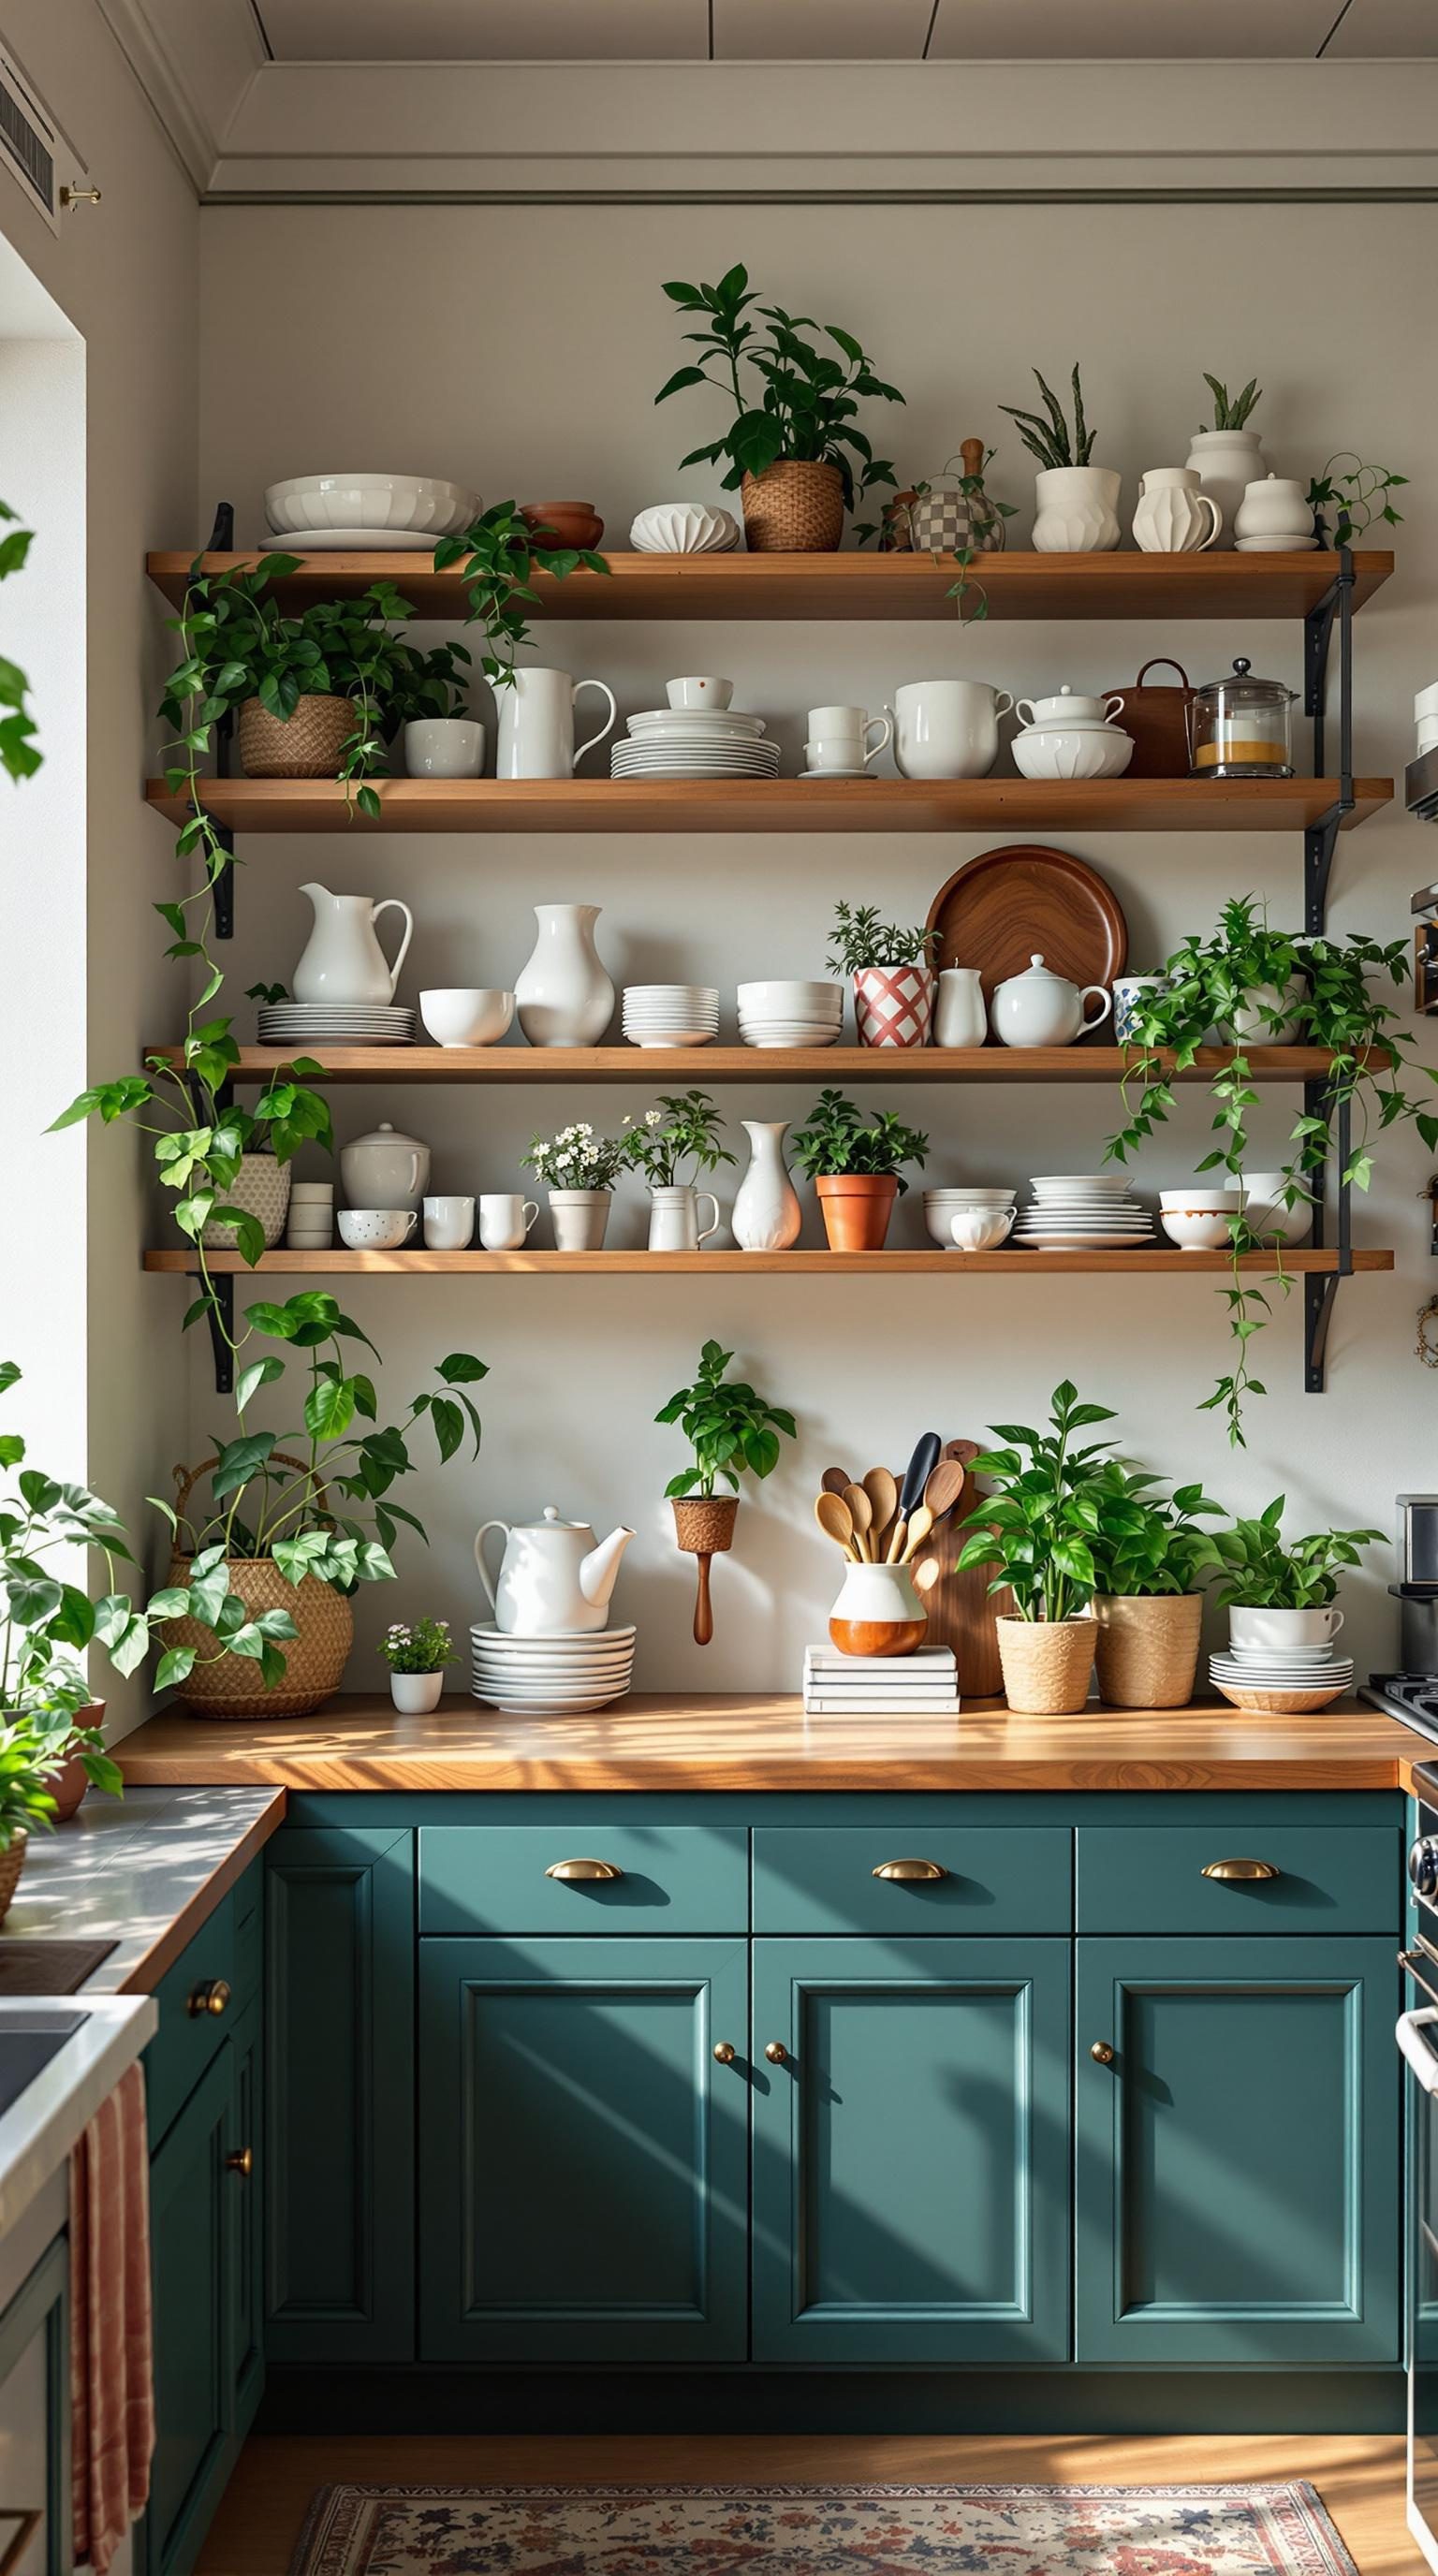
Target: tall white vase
pixel 563 996
pixel 766 1215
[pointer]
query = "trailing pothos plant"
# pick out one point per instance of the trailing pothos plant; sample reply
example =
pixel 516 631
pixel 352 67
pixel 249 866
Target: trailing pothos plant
pixel 1328 992
pixel 807 400
pixel 496 555
pixel 19 757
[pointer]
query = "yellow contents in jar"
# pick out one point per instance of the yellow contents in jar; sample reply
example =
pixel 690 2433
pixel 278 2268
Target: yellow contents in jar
pixel 1245 748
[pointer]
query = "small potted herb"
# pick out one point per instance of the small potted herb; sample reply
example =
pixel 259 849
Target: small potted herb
pixel 579 1170
pixel 1077 501
pixel 1038 1532
pixel 1280 1597
pixel 417 1653
pixel 856 1167
pixel 891 968
pixel 430 704
pixel 1225 453
pixel 681 1130
pixel 1149 1557
pixel 733 1431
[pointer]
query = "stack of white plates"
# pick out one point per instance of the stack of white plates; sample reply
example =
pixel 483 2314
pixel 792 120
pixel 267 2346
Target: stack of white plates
pixel 1079 1211
pixel 564 1674
pixel 294 1024
pixel 695 742
pixel 670 1015
pixel 1248 1675
pixel 789 1013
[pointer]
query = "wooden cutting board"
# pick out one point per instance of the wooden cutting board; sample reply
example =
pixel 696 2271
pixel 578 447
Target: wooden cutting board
pixel 962 1611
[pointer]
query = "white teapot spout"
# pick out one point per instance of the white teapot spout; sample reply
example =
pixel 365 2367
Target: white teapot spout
pixel 598 1571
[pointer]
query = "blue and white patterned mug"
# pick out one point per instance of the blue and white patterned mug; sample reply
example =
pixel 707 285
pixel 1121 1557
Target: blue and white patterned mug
pixel 1130 996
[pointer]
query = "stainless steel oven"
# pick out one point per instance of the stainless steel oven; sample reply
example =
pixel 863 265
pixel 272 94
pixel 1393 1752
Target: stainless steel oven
pixel 1418 2040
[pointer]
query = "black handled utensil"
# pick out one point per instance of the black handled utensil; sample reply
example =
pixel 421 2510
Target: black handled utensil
pixel 916 1475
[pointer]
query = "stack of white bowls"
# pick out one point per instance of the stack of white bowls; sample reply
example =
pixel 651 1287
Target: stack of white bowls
pixel 790 1014
pixel 312 1215
pixel 988 1211
pixel 1083 1212
pixel 555 1675
pixel 1071 737
pixel 393 513
pixel 670 1015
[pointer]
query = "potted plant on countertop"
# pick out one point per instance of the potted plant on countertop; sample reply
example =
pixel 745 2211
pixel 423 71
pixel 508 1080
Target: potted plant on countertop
pixel 856 1168
pixel 733 1431
pixel 1149 1557
pixel 793 452
pixel 1077 500
pixel 579 1169
pixel 682 1129
pixel 891 968
pixel 1280 1596
pixel 496 558
pixel 429 704
pixel 417 1654
pixel 1037 1531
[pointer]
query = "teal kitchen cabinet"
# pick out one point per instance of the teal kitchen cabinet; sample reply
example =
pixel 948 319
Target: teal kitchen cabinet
pixel 339 2038
pixel 911 2151
pixel 1238 2152
pixel 192 2198
pixel 35 2420
pixel 583 2151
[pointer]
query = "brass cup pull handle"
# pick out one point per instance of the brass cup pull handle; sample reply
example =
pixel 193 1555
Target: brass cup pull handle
pixel 909 1869
pixel 241 2161
pixel 1101 2053
pixel 210 1996
pixel 725 2051
pixel 777 2053
pixel 570 1870
pixel 1240 1869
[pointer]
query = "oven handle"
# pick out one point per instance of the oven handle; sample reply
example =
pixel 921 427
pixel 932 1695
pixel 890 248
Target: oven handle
pixel 1419 2055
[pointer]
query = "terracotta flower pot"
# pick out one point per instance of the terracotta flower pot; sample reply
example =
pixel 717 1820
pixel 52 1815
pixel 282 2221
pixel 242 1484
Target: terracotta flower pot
pixel 307 746
pixel 857 1207
pixel 1147 1648
pixel 71 1781
pixel 1046 1664
pixel 794 509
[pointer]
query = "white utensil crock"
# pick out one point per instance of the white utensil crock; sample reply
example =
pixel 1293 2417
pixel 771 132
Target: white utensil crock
pixel 342 960
pixel 674 1218
pixel 947 728
pixel 1077 510
pixel 960 1019
pixel 766 1215
pixel 563 996
pixel 536 724
pixel 1175 516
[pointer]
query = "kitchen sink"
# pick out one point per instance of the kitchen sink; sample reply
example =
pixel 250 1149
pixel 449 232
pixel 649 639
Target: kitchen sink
pixel 27 2046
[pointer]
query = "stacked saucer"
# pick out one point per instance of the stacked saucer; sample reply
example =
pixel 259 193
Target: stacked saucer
pixel 559 1675
pixel 695 742
pixel 1082 1211
pixel 789 1013
pixel 670 1015
pixel 294 1024
pixel 1287 1683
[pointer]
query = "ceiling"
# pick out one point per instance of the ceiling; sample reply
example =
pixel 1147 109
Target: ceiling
pixel 427 31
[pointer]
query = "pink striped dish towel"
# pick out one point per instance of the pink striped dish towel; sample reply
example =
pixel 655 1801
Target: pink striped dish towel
pixel 111 2354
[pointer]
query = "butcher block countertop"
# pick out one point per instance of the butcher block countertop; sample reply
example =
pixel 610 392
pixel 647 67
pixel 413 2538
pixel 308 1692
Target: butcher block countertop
pixel 731 1741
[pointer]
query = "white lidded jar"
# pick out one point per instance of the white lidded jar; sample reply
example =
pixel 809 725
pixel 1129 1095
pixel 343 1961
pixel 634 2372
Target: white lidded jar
pixel 384 1169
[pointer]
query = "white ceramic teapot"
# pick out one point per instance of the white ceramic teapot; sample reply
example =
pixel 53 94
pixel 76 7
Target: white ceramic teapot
pixel 384 1169
pixel 1040 1009
pixel 552 1580
pixel 342 960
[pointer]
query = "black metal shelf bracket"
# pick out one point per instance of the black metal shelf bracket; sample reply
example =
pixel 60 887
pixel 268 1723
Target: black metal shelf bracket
pixel 1320 1288
pixel 220 1316
pixel 1321 839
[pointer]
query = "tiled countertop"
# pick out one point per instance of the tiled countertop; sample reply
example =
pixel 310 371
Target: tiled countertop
pixel 143 1871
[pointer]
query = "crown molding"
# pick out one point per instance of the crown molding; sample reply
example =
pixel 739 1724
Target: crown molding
pixel 168 72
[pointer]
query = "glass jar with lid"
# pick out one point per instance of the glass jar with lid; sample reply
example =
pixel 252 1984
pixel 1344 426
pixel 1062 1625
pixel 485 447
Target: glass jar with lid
pixel 1239 727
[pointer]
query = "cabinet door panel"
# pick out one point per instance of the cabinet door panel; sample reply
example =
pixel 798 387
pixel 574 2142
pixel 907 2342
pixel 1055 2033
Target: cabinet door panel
pixel 242 2215
pixel 584 2192
pixel 911 2166
pixel 193 2285
pixel 1238 2161
pixel 35 2421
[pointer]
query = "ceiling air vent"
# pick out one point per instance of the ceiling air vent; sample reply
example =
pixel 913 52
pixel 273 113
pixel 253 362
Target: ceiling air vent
pixel 29 140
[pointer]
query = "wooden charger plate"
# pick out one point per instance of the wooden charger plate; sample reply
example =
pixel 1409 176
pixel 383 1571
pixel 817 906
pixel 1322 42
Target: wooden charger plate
pixel 999 911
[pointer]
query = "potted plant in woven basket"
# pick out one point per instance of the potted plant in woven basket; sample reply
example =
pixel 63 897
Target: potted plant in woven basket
pixel 856 1167
pixel 1149 1555
pixel 891 967
pixel 733 1431
pixel 1037 1533
pixel 795 451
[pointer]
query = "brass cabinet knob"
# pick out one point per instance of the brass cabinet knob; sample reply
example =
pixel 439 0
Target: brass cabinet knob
pixel 210 1996
pixel 1101 2053
pixel 777 2053
pixel 241 2161
pixel 909 1869
pixel 578 1869
pixel 1240 1869
pixel 725 2051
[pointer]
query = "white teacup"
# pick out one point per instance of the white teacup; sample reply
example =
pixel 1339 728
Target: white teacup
pixel 466 1015
pixel 843 748
pixel 1303 1636
pixel 376 1229
pixel 699 693
pixel 505 1219
pixel 840 754
pixel 448 1224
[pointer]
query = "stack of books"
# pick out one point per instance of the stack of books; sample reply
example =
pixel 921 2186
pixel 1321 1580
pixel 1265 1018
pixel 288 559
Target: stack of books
pixel 924 1684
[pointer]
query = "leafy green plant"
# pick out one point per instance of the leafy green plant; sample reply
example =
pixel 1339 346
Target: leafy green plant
pixel 1038 1530
pixel 1231 411
pixel 430 684
pixel 19 757
pixel 1051 439
pixel 421 1646
pixel 496 557
pixel 808 400
pixel 1144 1543
pixel 1261 1573
pixel 1356 493
pixel 577 1159
pixel 684 1128
pixel 835 1139
pixel 861 939
pixel 732 1430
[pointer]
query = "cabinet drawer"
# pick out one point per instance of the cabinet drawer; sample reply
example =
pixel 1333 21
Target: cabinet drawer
pixel 190 2031
pixel 670 1878
pixel 995 1879
pixel 1142 1879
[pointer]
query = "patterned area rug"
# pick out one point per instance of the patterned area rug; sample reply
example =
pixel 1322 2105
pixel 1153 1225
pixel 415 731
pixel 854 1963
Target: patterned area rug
pixel 1279 2530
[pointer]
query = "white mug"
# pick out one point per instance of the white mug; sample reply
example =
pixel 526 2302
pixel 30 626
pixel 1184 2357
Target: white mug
pixel 1302 1636
pixel 536 724
pixel 947 728
pixel 699 693
pixel 839 748
pixel 504 1220
pixel 448 1224
pixel 444 747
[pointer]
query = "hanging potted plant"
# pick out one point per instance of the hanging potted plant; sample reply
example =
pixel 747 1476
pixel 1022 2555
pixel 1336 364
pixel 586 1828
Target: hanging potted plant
pixel 856 1168
pixel 429 703
pixel 1149 1556
pixel 794 450
pixel 682 1130
pixel 417 1653
pixel 891 968
pixel 579 1170
pixel 1037 1533
pixel 733 1432
pixel 1077 500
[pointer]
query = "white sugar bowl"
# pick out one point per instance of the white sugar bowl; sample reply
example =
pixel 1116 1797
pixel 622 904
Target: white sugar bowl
pixel 384 1169
pixel 1275 513
pixel 684 528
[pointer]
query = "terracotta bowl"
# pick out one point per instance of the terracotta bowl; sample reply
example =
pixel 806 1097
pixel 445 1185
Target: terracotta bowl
pixel 561 523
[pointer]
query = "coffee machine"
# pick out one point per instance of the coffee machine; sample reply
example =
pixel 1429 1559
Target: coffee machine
pixel 1412 1692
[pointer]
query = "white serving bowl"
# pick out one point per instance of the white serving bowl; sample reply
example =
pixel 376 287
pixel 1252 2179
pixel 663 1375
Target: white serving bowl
pixel 1199 1199
pixel 310 502
pixel 940 1222
pixel 1090 751
pixel 791 1001
pixel 466 1015
pixel 978 1229
pixel 375 1229
pixel 1197 1229
pixel 1269 1217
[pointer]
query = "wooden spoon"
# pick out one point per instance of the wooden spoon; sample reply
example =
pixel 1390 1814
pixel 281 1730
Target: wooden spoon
pixel 836 1480
pixel 897 1536
pixel 861 1512
pixel 944 1487
pixel 883 1492
pixel 837 1522
pixel 919 1527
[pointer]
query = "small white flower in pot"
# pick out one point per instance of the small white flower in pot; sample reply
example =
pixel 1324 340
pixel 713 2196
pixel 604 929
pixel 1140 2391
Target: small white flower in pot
pixel 417 1653
pixel 580 1170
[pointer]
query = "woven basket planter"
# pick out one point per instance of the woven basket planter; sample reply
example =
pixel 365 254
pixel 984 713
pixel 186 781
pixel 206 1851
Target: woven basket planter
pixel 1046 1665
pixel 1147 1648
pixel 230 1685
pixel 308 746
pixel 794 509
pixel 262 1189
pixel 704 1523
pixel 12 1861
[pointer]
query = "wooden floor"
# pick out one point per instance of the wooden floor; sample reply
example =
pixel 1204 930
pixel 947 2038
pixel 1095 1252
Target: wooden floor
pixel 1360 2480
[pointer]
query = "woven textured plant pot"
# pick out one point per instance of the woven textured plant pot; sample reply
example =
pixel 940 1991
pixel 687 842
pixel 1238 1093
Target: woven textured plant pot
pixel 704 1523
pixel 308 746
pixel 262 1189
pixel 12 1861
pixel 230 1685
pixel 1046 1666
pixel 794 509
pixel 856 1208
pixel 1147 1648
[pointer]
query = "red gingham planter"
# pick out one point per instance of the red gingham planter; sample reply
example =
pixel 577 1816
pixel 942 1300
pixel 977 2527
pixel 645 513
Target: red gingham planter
pixel 894 1005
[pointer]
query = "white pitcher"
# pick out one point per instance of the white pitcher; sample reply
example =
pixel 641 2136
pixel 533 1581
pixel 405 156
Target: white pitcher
pixel 1175 516
pixel 960 1019
pixel 536 724
pixel 674 1218
pixel 342 959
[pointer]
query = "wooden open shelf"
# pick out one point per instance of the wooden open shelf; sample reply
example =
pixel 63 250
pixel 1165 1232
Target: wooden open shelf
pixel 850 587
pixel 813 1264
pixel 781 804
pixel 715 1064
